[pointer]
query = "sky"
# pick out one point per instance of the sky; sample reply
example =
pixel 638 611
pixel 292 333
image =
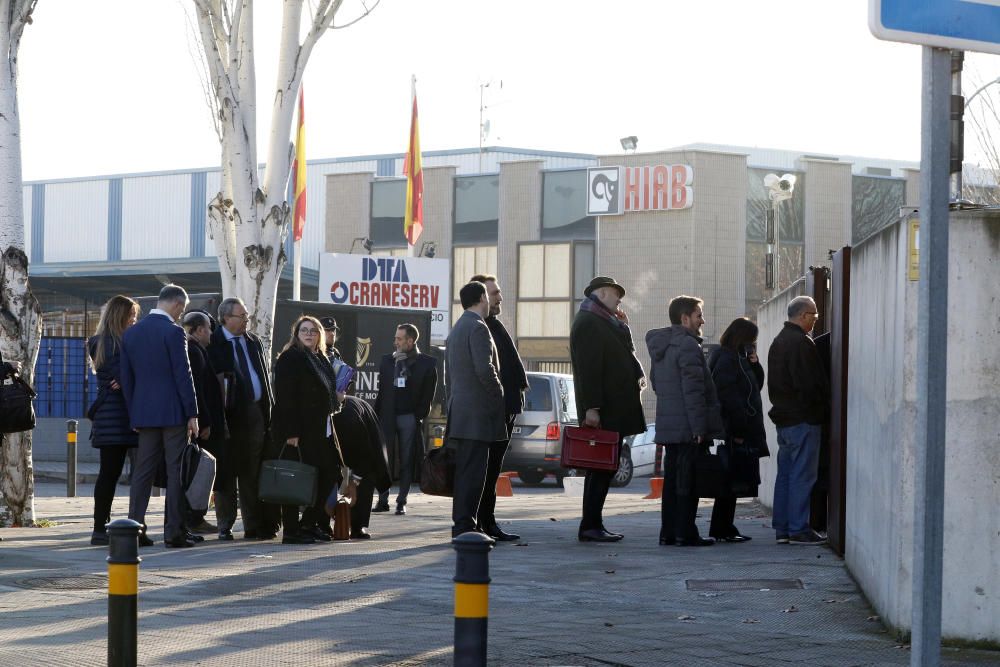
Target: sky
pixel 113 87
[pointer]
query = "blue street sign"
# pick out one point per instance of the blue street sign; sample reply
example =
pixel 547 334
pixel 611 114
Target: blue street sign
pixel 964 25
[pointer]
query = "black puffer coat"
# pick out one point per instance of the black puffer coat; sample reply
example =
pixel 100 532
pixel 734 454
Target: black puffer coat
pixel 108 413
pixel 738 383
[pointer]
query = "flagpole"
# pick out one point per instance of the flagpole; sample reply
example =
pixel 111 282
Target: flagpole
pixel 413 96
pixel 297 172
pixel 296 270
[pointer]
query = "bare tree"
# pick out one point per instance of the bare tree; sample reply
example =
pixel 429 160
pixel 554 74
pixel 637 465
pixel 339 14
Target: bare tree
pixel 20 314
pixel 981 183
pixel 248 218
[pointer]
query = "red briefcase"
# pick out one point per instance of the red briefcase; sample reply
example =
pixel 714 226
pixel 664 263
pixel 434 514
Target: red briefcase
pixel 589 448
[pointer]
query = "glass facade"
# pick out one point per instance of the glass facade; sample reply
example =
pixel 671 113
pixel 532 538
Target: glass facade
pixel 467 262
pixel 564 205
pixel 477 209
pixel 791 235
pixel 544 292
pixel 875 202
pixel 387 210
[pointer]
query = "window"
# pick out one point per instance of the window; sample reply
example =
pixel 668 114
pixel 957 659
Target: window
pixel 467 262
pixel 538 398
pixel 388 208
pixel 791 237
pixel 545 277
pixel 477 209
pixel 875 203
pixel 564 205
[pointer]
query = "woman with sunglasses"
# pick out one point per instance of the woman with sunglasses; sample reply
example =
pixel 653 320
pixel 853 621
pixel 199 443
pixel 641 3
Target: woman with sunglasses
pixel 738 378
pixel 305 399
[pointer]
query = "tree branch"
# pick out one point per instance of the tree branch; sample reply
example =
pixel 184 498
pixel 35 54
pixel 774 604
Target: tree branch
pixel 368 10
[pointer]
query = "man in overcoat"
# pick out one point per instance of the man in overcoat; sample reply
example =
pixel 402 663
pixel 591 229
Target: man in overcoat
pixel 363 447
pixel 514 381
pixel 239 355
pixel 476 414
pixel 407 379
pixel 607 379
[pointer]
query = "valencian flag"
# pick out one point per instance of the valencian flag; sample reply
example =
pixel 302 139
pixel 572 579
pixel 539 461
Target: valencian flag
pixel 299 171
pixel 413 220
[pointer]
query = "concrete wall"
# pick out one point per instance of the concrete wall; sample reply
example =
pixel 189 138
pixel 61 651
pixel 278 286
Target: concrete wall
pixel 48 441
pixel 827 209
pixel 520 220
pixel 348 209
pixel 882 418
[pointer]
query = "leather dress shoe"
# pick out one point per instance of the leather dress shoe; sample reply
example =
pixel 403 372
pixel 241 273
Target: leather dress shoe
pixel 499 534
pixel 250 534
pixel 381 507
pixel 597 535
pixel 695 542
pixel 99 538
pixel 667 541
pixel 194 538
pixel 226 536
pixel 266 535
pixel 400 510
pixel 298 538
pixel 317 534
pixel 203 528
pixel 619 535
pixel 181 543
pixel 733 538
pixel 145 540
pixel 361 534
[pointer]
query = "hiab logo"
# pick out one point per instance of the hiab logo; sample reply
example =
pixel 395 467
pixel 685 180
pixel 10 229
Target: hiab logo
pixel 384 281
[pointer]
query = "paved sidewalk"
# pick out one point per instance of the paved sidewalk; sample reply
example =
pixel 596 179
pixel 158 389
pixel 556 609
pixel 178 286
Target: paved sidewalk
pixel 388 601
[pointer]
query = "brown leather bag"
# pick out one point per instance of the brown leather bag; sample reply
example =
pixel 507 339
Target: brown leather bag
pixel 589 448
pixel 342 520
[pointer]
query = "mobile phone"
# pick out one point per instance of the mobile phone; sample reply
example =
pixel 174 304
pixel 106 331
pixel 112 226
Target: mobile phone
pixel 749 349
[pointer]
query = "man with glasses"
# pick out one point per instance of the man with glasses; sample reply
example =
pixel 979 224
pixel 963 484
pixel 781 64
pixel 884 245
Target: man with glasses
pixel 799 390
pixel 239 356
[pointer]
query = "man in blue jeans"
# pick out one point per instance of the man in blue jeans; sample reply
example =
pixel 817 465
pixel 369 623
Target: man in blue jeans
pixel 799 390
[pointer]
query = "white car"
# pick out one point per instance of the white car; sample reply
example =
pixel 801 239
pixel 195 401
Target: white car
pixel 641 450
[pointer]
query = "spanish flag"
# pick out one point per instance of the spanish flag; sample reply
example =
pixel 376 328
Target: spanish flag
pixel 299 171
pixel 413 220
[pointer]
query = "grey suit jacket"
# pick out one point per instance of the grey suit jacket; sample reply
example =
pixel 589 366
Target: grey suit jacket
pixel 475 403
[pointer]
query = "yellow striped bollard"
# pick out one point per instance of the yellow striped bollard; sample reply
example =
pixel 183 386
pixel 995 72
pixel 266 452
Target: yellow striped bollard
pixel 71 425
pixel 472 598
pixel 123 592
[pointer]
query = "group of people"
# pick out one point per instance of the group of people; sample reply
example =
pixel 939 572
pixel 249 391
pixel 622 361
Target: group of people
pixel 161 385
pixel 700 402
pixel 176 377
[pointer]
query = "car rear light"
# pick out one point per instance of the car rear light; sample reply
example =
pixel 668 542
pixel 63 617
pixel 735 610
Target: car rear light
pixel 552 431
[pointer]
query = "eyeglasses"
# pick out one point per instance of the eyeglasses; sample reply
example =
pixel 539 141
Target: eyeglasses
pixel 309 332
pixel 243 317
pixel 811 312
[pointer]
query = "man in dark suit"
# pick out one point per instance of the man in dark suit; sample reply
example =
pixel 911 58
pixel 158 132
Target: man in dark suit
pixel 211 409
pixel 160 395
pixel 239 354
pixel 476 414
pixel 514 381
pixel 363 447
pixel 607 378
pixel 407 380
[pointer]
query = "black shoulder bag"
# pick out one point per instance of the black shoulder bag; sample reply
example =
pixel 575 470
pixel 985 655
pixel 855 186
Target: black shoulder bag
pixel 17 412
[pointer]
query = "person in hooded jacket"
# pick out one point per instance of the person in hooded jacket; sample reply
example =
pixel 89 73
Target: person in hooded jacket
pixel 738 378
pixel 687 415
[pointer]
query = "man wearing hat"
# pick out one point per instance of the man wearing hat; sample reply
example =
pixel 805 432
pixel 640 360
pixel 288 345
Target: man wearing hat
pixel 607 379
pixel 331 329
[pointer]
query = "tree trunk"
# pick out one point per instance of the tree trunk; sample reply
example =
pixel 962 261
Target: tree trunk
pixel 20 314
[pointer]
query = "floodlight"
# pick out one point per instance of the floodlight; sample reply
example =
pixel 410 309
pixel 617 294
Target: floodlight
pixel 629 143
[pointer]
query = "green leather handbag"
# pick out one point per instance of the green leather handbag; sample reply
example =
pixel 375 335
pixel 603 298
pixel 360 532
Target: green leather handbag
pixel 286 481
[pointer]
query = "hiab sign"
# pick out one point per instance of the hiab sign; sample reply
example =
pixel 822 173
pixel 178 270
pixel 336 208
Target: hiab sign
pixel 416 283
pixel 617 190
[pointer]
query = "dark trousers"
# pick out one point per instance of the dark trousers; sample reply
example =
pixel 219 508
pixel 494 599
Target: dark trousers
pixel 471 460
pixel 406 437
pixel 361 513
pixel 156 444
pixel 679 504
pixel 487 507
pixel 315 516
pixel 112 463
pixel 246 448
pixel 595 492
pixel 723 513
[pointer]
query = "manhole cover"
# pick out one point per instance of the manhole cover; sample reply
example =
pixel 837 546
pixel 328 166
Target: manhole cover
pixel 82 582
pixel 742 584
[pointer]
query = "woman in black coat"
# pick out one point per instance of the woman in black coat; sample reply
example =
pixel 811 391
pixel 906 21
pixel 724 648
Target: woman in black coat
pixel 305 399
pixel 738 378
pixel 110 431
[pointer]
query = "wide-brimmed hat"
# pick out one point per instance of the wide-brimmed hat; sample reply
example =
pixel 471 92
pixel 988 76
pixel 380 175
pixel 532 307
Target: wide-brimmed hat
pixel 603 281
pixel 329 324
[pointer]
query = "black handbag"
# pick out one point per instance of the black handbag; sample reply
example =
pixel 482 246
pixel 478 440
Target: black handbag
pixel 17 412
pixel 437 472
pixel 711 478
pixel 287 482
pixel 742 467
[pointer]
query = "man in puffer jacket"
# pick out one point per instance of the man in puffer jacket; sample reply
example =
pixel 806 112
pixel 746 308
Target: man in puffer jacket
pixel 687 415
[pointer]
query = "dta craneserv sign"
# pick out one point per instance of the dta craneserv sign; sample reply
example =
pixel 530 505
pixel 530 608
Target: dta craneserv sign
pixel 411 283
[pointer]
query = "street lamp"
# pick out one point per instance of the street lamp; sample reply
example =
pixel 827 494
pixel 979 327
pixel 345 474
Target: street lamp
pixel 779 188
pixel 629 143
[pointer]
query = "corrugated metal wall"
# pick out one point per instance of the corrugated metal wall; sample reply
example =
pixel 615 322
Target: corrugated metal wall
pixel 26 196
pixel 76 221
pixel 156 216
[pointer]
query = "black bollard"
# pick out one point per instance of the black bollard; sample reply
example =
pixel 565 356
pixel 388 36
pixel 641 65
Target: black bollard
pixel 123 592
pixel 472 598
pixel 71 425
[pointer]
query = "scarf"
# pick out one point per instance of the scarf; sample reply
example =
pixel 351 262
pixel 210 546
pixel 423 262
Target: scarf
pixel 403 361
pixel 324 371
pixel 592 304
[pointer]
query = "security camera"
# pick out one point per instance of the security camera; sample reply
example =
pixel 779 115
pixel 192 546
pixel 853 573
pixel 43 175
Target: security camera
pixel 780 187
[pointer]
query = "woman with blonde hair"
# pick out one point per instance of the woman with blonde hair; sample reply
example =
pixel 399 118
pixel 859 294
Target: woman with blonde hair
pixel 110 432
pixel 305 400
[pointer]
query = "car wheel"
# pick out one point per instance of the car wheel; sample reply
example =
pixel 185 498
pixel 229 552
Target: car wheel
pixel 531 477
pixel 624 473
